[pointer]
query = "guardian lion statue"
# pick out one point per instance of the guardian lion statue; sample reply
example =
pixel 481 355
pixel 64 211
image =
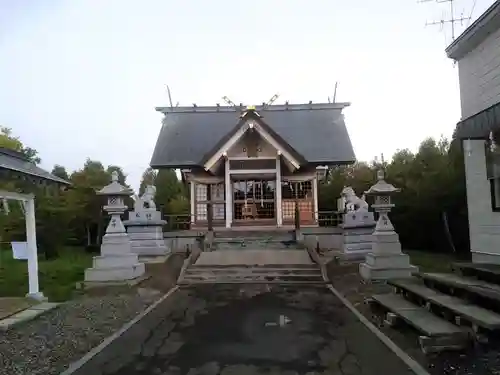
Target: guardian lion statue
pixel 353 202
pixel 146 201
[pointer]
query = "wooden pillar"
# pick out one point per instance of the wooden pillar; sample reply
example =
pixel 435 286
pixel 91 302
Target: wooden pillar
pixel 279 205
pixel 315 198
pixel 229 194
pixel 210 214
pixel 192 201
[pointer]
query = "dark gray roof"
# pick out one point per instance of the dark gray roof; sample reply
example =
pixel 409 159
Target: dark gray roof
pixel 316 131
pixel 480 125
pixel 475 34
pixel 15 161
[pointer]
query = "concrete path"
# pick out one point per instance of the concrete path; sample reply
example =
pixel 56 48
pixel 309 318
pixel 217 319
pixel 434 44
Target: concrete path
pixel 254 257
pixel 247 330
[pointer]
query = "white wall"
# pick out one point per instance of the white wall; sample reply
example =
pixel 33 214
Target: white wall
pixel 479 73
pixel 484 223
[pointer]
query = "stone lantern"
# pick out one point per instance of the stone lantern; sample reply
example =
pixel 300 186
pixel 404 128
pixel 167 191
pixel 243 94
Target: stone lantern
pixel 386 260
pixel 117 262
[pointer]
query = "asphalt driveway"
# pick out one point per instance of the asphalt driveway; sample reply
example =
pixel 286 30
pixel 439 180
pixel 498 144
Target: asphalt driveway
pixel 246 330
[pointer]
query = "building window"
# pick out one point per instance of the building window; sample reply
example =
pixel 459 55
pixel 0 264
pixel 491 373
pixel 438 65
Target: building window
pixel 217 191
pixel 493 172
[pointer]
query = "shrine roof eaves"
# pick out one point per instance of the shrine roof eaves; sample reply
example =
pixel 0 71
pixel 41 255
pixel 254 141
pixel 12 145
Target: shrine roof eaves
pixel 16 162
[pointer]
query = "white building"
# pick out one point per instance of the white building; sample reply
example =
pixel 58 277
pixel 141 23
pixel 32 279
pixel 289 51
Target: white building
pixel 477 52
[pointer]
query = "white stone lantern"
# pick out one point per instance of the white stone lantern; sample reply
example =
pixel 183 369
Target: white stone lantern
pixel 386 260
pixel 115 193
pixel 382 192
pixel 117 262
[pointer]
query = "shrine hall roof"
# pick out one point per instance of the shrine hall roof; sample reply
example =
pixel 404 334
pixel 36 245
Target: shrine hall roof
pixel 17 162
pixel 317 132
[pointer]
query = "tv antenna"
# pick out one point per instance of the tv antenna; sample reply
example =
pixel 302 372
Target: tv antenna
pixel 452 20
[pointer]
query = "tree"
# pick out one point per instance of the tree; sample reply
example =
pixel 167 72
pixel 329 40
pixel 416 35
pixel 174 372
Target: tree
pixel 60 171
pixel 7 140
pixel 148 178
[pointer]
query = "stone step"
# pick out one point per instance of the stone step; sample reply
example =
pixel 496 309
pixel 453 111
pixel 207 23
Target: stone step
pixel 462 309
pixel 186 283
pixel 482 271
pixel 253 277
pixel 264 266
pixel 439 333
pixel 255 234
pixel 256 270
pixel 451 283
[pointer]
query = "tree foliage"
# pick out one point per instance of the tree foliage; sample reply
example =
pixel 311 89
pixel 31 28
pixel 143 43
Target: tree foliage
pixel 432 196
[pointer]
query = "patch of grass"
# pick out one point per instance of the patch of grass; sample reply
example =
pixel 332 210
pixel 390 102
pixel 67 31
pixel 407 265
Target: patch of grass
pixel 428 261
pixel 58 277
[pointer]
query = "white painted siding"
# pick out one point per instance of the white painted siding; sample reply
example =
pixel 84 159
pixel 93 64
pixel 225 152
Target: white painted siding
pixel 484 223
pixel 479 73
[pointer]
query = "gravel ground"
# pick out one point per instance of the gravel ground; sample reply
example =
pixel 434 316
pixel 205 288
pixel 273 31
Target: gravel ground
pixel 484 360
pixel 48 344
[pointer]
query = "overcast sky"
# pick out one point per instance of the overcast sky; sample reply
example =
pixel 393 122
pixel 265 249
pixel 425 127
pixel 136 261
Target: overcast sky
pixel 81 78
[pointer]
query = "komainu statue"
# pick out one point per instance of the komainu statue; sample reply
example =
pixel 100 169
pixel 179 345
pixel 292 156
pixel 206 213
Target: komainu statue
pixel 353 202
pixel 146 201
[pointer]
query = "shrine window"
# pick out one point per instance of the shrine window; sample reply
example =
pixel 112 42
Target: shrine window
pixel 296 190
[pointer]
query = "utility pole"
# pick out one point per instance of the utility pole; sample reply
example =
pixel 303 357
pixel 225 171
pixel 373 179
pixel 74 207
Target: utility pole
pixel 452 20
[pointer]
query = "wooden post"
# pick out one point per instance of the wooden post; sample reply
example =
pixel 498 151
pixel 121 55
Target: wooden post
pixel 297 214
pixel 210 215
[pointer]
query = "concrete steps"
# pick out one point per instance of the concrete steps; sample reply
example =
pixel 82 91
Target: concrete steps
pixel 447 309
pixel 438 335
pixel 270 274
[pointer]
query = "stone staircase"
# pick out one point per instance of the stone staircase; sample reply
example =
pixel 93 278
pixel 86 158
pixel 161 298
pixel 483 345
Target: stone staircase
pixel 449 310
pixel 252 274
pixel 253 257
pixel 252 240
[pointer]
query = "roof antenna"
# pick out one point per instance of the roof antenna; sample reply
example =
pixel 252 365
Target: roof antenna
pixel 452 20
pixel 170 98
pixel 334 93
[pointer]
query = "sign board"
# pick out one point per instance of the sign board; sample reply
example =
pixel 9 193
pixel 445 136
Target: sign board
pixel 20 250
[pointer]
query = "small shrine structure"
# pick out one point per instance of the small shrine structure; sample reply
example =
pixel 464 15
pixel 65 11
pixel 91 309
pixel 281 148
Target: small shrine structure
pixel 253 165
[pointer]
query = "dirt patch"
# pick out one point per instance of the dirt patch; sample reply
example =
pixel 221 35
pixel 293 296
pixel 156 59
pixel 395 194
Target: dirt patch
pixel 11 305
pixel 161 277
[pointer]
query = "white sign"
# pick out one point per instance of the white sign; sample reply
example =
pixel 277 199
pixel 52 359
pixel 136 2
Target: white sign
pixel 20 250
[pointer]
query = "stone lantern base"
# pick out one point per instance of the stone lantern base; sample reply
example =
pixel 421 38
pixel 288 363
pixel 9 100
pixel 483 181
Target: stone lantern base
pixel 116 263
pixel 386 261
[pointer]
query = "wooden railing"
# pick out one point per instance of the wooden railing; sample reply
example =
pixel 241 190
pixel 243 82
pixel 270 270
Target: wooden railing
pixel 177 222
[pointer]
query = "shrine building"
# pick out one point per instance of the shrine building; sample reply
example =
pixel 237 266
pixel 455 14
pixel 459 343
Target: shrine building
pixel 253 164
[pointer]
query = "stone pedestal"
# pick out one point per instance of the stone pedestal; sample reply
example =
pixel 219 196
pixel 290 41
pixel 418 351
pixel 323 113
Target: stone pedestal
pixel 145 229
pixel 386 261
pixel 116 263
pixel 357 238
